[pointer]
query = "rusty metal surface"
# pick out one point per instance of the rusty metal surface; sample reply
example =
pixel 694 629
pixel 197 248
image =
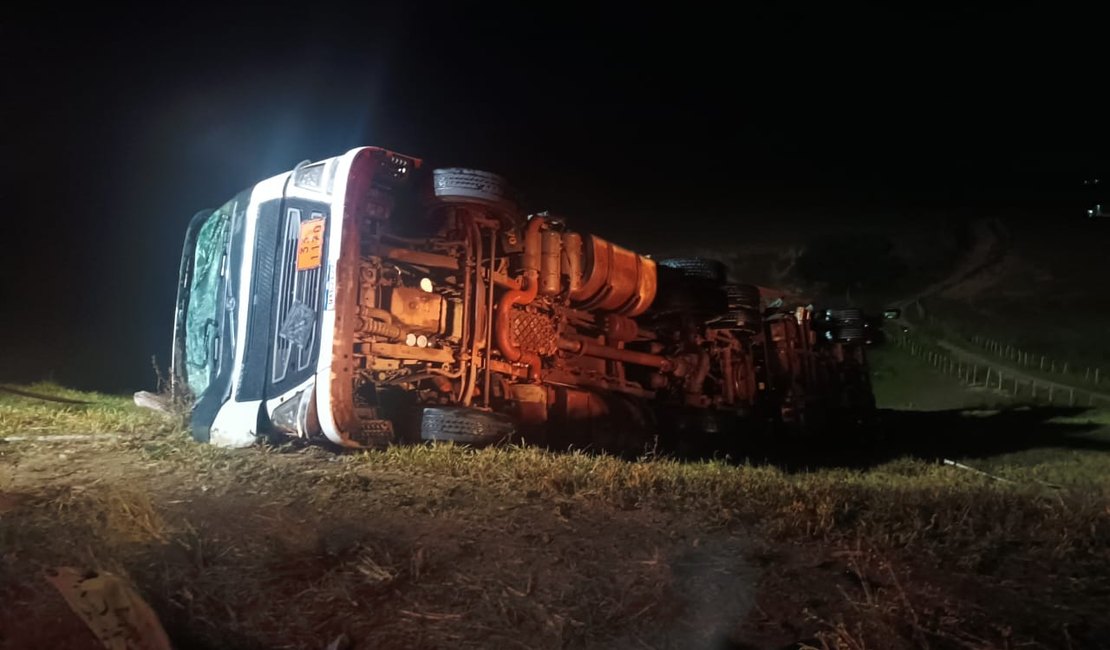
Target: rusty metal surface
pixel 550 268
pixel 517 311
pixel 593 349
pixel 616 279
pixel 594 265
pixel 417 309
pixel 523 296
pixel 646 288
pixel 620 329
pixel 533 332
pixel 419 258
pixel 401 351
pixel 572 262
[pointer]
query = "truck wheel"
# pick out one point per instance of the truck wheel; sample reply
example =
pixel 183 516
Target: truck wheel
pixel 701 268
pixel 458 185
pixel 746 319
pixel 743 296
pixel 465 425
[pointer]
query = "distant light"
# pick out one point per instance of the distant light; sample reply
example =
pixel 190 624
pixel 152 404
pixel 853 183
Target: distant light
pixel 410 339
pixel 422 341
pixel 426 285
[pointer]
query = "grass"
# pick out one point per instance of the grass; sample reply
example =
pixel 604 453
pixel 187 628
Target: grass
pixel 901 381
pixel 901 514
pixel 1045 298
pixel 20 415
pixel 930 549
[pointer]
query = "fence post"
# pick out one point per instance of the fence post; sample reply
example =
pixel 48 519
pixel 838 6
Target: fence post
pixel 1065 370
pixel 1071 398
pixel 987 381
pixel 1051 392
pixel 1096 374
pixel 1087 375
pixel 1042 362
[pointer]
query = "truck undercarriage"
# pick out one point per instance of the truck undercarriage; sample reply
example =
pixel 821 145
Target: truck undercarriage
pixel 448 314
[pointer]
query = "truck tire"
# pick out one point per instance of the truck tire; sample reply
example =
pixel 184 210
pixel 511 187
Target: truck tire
pixel 700 268
pixel 459 185
pixel 465 425
pixel 700 300
pixel 745 319
pixel 743 296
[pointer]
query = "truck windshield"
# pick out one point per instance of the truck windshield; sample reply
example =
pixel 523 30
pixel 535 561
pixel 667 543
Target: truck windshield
pixel 203 310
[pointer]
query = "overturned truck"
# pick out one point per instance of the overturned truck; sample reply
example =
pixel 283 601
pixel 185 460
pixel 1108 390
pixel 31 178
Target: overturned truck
pixel 365 300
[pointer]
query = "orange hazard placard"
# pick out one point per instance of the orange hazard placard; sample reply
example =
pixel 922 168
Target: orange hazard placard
pixel 310 244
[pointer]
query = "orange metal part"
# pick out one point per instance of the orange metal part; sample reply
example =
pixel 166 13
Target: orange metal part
pixel 417 309
pixel 592 349
pixel 523 296
pixel 616 279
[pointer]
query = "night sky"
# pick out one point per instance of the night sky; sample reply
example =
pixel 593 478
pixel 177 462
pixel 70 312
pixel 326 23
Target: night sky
pixel 120 124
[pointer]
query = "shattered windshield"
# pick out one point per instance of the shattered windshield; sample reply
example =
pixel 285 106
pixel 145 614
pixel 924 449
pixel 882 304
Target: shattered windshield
pixel 202 315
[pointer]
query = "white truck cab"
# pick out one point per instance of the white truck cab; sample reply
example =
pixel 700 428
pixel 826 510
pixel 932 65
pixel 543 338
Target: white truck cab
pixel 255 321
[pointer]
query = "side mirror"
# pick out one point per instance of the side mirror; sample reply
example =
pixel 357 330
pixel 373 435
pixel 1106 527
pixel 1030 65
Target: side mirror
pixel 892 314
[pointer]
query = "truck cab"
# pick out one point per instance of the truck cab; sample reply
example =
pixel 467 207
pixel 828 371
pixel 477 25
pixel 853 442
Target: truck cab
pixel 255 318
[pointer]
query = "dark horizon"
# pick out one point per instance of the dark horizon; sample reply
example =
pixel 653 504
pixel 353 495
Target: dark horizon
pixel 122 125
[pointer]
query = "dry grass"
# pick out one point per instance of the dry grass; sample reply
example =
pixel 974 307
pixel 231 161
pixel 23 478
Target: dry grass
pixel 901 503
pixel 383 546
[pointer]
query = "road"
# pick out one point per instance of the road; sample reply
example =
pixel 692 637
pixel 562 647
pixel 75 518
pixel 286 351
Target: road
pixel 991 245
pixel 1082 394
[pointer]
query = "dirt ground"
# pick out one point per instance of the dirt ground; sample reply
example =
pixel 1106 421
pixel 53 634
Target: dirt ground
pixel 274 550
pixel 824 547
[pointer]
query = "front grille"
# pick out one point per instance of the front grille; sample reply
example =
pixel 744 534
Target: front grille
pixel 298 293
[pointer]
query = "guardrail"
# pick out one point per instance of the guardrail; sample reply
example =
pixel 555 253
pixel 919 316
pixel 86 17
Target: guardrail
pixel 974 370
pixel 1042 362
